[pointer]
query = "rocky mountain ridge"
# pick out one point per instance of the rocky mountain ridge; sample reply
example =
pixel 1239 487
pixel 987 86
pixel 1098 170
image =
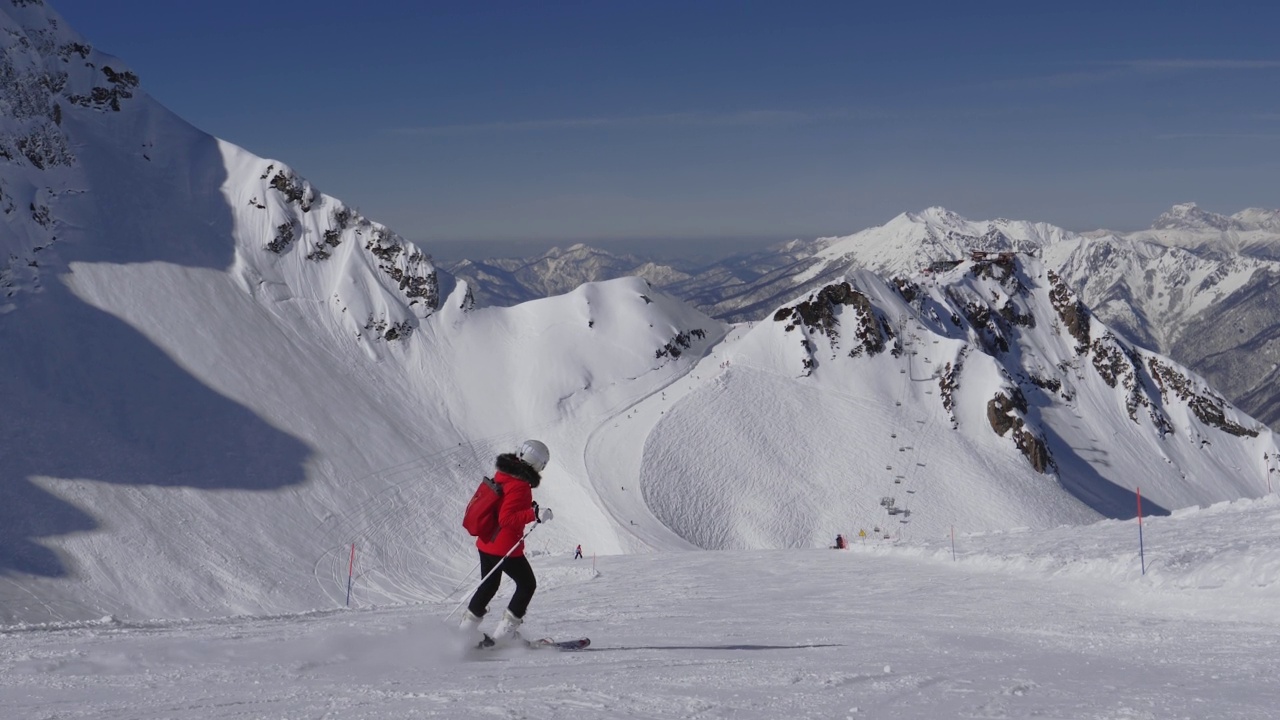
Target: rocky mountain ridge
pixel 1175 288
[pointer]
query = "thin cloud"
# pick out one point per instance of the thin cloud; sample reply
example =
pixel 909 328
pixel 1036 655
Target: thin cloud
pixel 1196 64
pixel 745 118
pixel 1121 70
pixel 1219 136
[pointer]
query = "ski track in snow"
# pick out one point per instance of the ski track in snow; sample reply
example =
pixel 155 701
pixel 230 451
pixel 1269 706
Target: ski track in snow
pixel 1057 624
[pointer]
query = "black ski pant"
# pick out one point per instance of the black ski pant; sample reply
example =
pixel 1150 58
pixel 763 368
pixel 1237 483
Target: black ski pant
pixel 516 568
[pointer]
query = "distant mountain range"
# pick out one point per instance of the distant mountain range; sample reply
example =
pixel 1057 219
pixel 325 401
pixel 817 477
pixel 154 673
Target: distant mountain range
pixel 1199 287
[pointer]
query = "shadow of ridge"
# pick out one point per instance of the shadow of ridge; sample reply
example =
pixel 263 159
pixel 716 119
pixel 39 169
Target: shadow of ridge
pixel 90 398
pixel 1078 477
pixel 713 647
pixel 85 396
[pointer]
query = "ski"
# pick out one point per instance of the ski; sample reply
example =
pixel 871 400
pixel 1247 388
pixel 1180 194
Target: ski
pixel 549 644
pixel 543 644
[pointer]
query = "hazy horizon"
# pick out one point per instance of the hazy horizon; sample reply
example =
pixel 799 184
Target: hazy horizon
pixel 686 249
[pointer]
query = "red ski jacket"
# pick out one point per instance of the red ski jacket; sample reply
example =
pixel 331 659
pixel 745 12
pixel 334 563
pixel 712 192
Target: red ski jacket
pixel 517 480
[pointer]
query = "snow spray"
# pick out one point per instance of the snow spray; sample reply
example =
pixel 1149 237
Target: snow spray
pixel 1141 552
pixel 351 569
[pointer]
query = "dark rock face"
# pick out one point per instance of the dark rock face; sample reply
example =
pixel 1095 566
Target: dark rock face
pixel 1000 411
pixel 294 189
pixel 821 313
pixel 1003 418
pixel 907 289
pixel 120 86
pixel 679 343
pixel 1206 407
pixel 949 382
pixel 1072 312
pixel 1034 449
pixel 418 280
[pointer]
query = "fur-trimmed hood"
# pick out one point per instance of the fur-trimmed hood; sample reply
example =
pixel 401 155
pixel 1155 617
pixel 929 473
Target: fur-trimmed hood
pixel 519 469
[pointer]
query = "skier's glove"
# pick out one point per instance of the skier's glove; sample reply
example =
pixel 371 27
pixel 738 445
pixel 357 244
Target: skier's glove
pixel 544 515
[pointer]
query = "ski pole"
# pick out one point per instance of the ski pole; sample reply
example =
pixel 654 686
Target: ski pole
pixel 489 574
pixel 461 583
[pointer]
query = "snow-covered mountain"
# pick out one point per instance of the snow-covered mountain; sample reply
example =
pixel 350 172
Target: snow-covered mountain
pixel 510 281
pixel 1252 231
pixel 742 287
pixel 217 380
pixel 1199 287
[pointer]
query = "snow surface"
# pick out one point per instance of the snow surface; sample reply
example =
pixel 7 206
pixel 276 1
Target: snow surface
pixel 1051 624
pixel 225 380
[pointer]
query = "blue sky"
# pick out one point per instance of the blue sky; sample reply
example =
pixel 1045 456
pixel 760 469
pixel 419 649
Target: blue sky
pixel 700 119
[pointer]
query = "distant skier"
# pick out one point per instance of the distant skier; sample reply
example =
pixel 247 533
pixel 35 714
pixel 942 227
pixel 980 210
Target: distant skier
pixel 577 553
pixel 517 474
pixel 840 544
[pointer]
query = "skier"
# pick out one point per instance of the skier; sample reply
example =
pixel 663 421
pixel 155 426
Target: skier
pixel 577 553
pixel 840 542
pixel 517 474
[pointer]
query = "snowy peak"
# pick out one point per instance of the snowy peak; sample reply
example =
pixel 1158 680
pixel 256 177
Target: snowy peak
pixel 911 241
pixel 82 142
pixel 1189 216
pixel 1258 219
pixel 508 281
pixel 375 284
pixel 49 79
pixel 45 70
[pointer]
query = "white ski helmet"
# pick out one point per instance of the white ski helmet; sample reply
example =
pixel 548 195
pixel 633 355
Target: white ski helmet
pixel 534 453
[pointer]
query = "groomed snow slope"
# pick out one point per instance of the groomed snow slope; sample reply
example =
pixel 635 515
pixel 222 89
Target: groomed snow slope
pixel 1051 624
